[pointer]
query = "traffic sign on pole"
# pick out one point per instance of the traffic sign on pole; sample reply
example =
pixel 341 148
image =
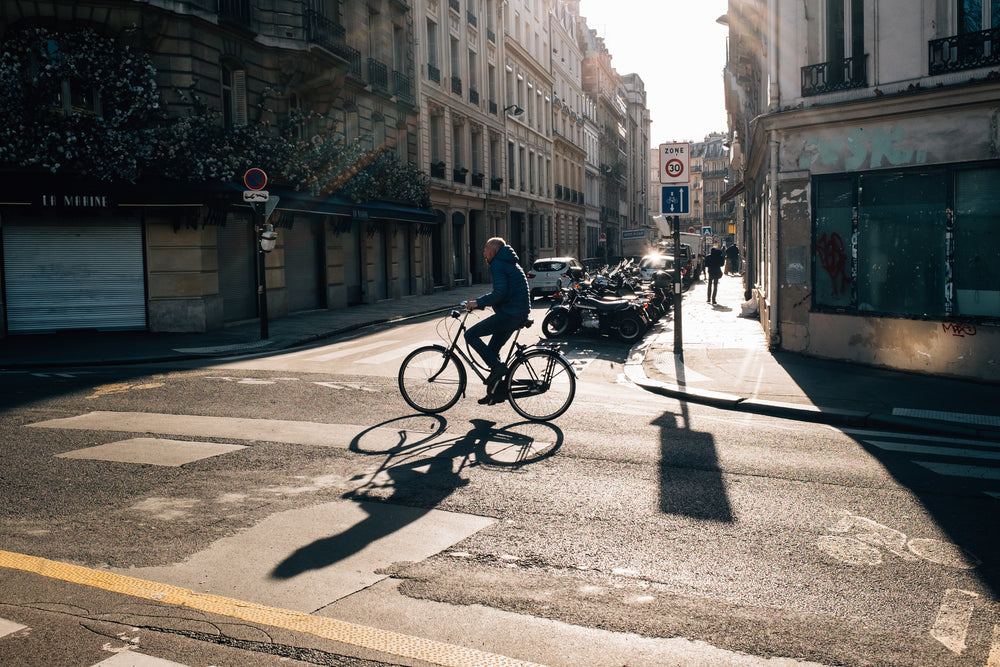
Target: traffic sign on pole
pixel 674 163
pixel 675 199
pixel 255 179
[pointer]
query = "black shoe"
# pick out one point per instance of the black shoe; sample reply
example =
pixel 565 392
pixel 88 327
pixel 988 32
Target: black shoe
pixel 495 375
pixel 490 399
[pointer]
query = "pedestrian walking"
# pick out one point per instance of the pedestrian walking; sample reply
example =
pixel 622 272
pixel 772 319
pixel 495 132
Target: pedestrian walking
pixel 732 260
pixel 714 263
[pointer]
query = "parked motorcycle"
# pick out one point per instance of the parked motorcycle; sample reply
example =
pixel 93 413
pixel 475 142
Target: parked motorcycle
pixel 578 311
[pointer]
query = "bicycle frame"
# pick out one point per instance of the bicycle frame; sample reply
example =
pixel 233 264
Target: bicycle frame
pixel 466 355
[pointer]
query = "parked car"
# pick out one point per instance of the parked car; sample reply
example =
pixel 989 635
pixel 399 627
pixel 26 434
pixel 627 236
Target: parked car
pixel 545 274
pixel 650 264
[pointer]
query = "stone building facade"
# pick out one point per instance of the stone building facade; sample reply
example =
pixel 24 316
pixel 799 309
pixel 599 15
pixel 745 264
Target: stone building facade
pixel 510 141
pixel 865 139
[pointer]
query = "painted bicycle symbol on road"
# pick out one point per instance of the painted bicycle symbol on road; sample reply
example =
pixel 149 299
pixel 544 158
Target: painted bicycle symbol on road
pixel 862 541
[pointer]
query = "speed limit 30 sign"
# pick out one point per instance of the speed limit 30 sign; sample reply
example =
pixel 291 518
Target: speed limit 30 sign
pixel 674 163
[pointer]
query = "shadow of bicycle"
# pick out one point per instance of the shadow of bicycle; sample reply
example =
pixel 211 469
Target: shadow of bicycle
pixel 427 436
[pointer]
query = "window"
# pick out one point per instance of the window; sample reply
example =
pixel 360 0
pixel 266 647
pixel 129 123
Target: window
pixel 433 66
pixel 977 254
pixel 977 15
pixel 923 239
pixel 75 96
pixel 234 96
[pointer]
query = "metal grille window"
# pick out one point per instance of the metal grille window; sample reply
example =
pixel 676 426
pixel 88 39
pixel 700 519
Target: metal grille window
pixel 909 243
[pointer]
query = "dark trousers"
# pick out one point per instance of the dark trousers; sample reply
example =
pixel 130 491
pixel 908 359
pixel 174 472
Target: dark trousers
pixel 500 327
pixel 713 286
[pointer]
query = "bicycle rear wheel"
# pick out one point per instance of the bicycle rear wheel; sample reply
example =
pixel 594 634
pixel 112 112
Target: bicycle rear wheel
pixel 540 385
pixel 431 380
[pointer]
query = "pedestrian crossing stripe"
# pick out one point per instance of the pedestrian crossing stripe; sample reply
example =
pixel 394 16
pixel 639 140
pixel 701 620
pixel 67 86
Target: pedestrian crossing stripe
pixel 375 639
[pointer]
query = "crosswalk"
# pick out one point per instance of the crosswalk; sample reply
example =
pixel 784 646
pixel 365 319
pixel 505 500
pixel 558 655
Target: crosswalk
pixel 975 461
pixel 372 356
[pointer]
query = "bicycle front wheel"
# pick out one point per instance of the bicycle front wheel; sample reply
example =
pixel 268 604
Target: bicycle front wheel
pixel 431 380
pixel 540 385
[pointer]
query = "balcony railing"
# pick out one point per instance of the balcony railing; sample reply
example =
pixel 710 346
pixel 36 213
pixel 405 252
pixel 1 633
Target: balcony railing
pixel 477 179
pixel 333 37
pixel 235 11
pixel 437 169
pixel 493 107
pixel 962 52
pixel 378 75
pixel 835 75
pixel 456 85
pixel 473 96
pixel 433 73
pixel 402 86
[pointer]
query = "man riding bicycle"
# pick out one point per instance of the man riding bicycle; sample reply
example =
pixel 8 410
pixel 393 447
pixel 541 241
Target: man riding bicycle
pixel 511 307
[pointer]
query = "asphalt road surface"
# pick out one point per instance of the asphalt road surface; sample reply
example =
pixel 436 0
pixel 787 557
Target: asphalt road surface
pixel 170 502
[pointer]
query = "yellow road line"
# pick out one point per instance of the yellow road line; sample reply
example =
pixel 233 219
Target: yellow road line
pixel 393 643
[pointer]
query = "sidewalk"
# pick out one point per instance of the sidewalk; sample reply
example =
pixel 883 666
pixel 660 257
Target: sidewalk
pixel 724 362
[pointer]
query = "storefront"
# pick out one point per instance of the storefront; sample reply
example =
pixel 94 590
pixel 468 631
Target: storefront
pixel 179 257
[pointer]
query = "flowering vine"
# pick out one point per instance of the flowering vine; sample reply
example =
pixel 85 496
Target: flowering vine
pixel 79 103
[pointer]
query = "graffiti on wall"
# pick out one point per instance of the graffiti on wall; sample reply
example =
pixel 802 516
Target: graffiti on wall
pixel 959 329
pixel 833 258
pixel 862 148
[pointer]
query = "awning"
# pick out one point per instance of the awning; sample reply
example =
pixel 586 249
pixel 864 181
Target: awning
pixel 61 192
pixel 732 192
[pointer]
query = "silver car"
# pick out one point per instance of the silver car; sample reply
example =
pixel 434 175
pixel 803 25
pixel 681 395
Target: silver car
pixel 545 274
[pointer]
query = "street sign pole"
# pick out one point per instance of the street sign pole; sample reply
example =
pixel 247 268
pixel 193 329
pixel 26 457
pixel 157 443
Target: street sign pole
pixel 255 179
pixel 678 287
pixel 258 214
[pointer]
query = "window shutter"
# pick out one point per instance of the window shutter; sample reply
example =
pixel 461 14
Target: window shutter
pixel 239 98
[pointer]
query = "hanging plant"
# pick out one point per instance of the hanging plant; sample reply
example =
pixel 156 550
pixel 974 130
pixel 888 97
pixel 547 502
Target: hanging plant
pixel 76 102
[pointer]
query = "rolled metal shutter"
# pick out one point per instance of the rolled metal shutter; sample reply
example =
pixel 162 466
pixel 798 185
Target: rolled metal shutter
pixel 237 247
pixel 305 265
pixel 79 275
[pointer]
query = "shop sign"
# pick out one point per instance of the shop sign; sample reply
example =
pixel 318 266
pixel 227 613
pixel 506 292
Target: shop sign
pixel 76 201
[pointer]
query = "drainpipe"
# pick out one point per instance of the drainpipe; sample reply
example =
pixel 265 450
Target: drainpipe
pixel 774 335
pixel 774 104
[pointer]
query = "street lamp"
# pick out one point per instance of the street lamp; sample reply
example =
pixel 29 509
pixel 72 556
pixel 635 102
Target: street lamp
pixel 514 109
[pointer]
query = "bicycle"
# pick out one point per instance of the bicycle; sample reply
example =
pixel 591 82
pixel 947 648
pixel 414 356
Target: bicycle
pixel 538 382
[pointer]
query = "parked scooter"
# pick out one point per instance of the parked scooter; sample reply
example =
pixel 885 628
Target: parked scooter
pixel 623 318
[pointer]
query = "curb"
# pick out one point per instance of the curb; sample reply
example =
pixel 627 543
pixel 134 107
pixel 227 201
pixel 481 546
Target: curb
pixel 823 415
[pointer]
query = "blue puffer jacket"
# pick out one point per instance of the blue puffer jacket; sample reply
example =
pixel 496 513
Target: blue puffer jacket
pixel 510 286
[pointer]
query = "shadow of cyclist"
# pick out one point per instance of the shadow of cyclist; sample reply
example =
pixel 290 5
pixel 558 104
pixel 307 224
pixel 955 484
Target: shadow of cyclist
pixel 418 483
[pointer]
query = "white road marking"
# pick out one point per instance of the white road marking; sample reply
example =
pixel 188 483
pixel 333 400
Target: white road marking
pixel 348 351
pixel 386 357
pixel 270 430
pixel 958 470
pixel 960 417
pixel 10 627
pixel 129 658
pixel 913 437
pixel 952 623
pixel 937 451
pixel 994 659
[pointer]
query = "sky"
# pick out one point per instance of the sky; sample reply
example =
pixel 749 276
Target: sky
pixel 678 50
